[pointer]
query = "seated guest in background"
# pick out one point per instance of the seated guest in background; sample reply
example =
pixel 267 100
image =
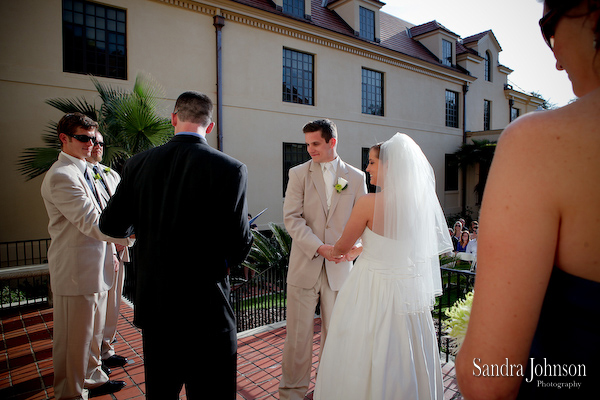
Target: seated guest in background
pixel 474 225
pixel 461 247
pixel 456 234
pixel 472 246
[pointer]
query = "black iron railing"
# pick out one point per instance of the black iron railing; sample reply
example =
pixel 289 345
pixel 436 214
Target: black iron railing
pixel 24 277
pixel 261 300
pixel 455 285
pixel 24 252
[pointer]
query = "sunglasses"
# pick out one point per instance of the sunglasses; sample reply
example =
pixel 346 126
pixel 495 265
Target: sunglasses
pixel 83 138
pixel 97 143
pixel 548 26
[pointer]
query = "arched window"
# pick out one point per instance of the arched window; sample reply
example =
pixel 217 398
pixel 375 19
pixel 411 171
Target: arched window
pixel 488 66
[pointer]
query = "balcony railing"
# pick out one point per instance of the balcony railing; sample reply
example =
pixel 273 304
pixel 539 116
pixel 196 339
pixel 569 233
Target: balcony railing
pixel 24 252
pixel 24 275
pixel 455 285
pixel 259 301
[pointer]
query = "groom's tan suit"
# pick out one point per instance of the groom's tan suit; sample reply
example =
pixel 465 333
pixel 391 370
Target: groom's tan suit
pixel 311 223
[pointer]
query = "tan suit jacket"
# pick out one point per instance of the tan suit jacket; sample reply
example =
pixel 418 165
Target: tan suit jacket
pixel 112 180
pixel 76 257
pixel 311 225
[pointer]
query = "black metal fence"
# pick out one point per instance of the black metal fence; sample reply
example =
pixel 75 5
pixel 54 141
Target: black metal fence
pixel 24 278
pixel 24 252
pixel 257 302
pixel 455 284
pixel 261 300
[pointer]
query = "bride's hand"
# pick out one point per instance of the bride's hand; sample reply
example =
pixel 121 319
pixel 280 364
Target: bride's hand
pixel 353 253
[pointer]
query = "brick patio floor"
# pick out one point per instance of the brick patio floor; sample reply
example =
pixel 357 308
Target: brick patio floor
pixel 26 359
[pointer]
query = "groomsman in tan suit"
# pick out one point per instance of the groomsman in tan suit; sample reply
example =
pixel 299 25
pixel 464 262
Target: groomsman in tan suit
pixel 318 202
pixel 107 181
pixel 80 270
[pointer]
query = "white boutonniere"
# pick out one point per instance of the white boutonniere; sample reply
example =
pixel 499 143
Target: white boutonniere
pixel 341 185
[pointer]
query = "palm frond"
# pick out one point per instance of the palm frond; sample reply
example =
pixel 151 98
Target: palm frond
pixel 128 120
pixel 74 105
pixel 36 160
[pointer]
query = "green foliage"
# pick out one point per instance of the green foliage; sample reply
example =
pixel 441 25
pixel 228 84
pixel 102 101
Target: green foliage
pixel 129 121
pixel 273 252
pixel 8 296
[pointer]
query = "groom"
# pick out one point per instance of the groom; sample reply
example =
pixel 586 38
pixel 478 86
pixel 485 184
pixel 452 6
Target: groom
pixel 318 202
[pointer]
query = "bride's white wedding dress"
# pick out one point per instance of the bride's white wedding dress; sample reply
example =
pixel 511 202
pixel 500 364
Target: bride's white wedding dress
pixel 382 342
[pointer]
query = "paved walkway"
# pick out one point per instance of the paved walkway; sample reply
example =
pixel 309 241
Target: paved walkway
pixel 26 359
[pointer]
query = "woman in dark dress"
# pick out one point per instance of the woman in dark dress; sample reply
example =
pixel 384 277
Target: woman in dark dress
pixel 534 330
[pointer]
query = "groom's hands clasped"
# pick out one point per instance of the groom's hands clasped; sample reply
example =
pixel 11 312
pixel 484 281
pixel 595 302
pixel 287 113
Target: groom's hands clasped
pixel 327 251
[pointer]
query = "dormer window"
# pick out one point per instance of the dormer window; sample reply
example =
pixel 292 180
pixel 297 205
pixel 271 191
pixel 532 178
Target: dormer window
pixel 294 7
pixel 446 52
pixel 367 24
pixel 488 66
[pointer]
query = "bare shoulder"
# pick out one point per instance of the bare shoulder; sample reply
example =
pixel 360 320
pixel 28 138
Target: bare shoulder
pixel 368 200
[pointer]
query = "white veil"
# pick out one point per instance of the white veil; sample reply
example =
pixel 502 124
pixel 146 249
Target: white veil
pixel 408 211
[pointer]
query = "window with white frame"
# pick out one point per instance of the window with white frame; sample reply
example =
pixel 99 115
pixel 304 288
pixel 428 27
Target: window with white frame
pixel 372 92
pixel 446 52
pixel 487 115
pixel 451 109
pixel 367 24
pixel 298 77
pixel 294 7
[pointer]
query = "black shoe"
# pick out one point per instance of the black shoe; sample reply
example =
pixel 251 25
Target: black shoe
pixel 106 370
pixel 107 388
pixel 114 361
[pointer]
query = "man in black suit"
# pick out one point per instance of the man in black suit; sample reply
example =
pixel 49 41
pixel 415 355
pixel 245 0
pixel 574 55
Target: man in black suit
pixel 186 203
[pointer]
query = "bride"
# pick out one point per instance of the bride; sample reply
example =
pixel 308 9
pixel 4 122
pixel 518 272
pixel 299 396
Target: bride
pixel 382 342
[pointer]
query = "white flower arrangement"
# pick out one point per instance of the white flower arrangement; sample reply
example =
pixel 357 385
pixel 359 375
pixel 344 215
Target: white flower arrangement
pixel 341 185
pixel 457 324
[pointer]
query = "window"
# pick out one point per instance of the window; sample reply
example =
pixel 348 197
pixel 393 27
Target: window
pixel 451 173
pixel 446 53
pixel 514 113
pixel 451 109
pixel 372 92
pixel 94 39
pixel 294 7
pixel 298 77
pixel 487 115
pixel 293 154
pixel 488 66
pixel 367 24
pixel 365 164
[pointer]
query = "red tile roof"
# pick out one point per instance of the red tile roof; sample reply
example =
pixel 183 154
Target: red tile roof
pixel 393 34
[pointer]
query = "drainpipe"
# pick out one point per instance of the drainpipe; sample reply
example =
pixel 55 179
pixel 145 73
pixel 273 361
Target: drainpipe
pixel 219 23
pixel 464 140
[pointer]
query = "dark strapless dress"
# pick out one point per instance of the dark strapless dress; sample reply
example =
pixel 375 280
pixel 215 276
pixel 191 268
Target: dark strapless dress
pixel 566 346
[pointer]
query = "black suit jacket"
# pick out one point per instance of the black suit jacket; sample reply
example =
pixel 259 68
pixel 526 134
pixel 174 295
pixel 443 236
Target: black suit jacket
pixel 186 203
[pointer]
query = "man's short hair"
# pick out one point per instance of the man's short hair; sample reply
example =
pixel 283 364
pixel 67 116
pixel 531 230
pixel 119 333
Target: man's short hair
pixel 327 128
pixel 70 122
pixel 196 107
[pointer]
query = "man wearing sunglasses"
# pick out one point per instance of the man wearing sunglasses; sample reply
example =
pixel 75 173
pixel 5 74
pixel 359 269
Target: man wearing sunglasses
pixel 80 272
pixel 107 180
